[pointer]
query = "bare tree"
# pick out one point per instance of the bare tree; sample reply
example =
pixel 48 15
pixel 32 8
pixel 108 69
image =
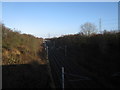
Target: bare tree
pixel 88 28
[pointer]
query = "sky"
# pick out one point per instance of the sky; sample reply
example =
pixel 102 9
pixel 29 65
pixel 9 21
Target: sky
pixel 60 0
pixel 52 19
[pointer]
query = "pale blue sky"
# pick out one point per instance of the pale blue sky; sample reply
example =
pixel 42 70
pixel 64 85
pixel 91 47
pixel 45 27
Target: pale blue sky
pixel 58 18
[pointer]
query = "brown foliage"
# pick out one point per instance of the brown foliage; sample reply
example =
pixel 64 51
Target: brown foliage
pixel 20 48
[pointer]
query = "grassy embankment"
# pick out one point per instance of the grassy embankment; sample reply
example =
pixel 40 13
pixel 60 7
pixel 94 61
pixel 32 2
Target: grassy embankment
pixel 21 48
pixel 23 61
pixel 98 54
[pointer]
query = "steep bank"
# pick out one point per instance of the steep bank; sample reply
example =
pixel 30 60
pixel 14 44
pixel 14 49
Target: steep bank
pixel 23 61
pixel 20 48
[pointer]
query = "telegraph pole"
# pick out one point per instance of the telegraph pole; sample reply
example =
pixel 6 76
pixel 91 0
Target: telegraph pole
pixel 100 25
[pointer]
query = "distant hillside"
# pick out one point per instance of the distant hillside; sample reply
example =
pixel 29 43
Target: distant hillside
pixel 21 48
pixel 99 53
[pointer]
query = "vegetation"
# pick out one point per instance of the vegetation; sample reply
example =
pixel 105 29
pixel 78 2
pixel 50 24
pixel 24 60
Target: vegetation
pixel 98 53
pixel 20 48
pixel 88 28
pixel 23 61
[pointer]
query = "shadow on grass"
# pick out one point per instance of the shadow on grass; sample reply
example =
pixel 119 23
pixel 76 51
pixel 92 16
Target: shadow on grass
pixel 32 75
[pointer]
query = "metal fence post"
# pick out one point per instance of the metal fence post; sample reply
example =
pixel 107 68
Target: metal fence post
pixel 62 78
pixel 65 50
pixel 47 52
